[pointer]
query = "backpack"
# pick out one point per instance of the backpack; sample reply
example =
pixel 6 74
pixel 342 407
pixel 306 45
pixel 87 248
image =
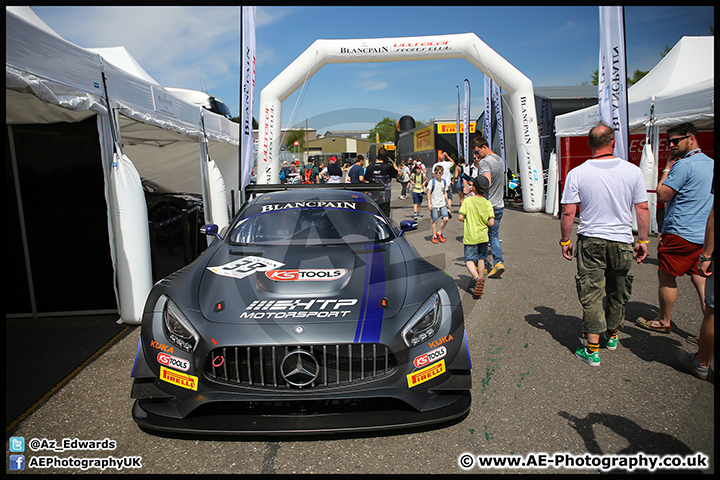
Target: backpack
pixel 432 189
pixel 308 175
pixel 282 175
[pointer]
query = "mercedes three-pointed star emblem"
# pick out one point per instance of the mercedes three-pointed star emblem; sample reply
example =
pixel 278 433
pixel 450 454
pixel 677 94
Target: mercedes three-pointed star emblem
pixel 299 368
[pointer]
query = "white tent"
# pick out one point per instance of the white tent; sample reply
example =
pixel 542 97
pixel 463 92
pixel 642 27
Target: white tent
pixel 50 80
pixel 683 87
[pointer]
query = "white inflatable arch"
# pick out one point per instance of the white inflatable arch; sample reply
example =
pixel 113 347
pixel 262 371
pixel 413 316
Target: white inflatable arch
pixel 465 45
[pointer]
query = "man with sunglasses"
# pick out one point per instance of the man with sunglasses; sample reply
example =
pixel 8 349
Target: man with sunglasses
pixel 684 188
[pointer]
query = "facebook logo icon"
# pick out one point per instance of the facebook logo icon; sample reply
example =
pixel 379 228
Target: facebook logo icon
pixel 17 462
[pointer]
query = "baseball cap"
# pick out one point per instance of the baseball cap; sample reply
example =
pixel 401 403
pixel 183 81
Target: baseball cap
pixel 481 184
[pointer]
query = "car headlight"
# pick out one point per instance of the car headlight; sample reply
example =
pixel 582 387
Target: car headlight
pixel 424 324
pixel 179 329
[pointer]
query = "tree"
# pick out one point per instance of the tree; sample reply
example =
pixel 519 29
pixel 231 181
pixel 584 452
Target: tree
pixel 637 75
pixel 385 129
pixel 255 123
pixel 593 79
pixel 295 136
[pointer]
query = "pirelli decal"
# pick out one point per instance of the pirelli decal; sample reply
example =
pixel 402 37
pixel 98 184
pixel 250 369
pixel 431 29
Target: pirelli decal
pixel 178 378
pixel 425 374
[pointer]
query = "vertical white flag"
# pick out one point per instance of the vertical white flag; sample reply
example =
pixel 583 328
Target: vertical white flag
pixel 612 77
pixel 457 129
pixel 487 124
pixel 247 95
pixel 466 128
pixel 497 102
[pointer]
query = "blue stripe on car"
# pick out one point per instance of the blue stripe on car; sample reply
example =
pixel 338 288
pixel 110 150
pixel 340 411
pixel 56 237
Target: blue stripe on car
pixel 371 313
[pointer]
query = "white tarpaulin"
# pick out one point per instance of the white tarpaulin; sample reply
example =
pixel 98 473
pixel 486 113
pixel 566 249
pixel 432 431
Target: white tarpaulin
pixel 50 80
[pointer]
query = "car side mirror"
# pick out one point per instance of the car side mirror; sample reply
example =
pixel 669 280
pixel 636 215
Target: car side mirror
pixel 407 225
pixel 210 230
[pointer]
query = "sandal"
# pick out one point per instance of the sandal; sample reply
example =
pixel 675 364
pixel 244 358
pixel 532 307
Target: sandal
pixel 647 325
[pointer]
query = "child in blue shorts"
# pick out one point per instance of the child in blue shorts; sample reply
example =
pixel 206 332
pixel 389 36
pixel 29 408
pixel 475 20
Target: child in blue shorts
pixel 417 182
pixel 477 214
pixel 437 203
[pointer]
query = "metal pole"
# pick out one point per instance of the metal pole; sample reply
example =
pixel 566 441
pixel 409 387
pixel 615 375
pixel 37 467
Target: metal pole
pixel 21 215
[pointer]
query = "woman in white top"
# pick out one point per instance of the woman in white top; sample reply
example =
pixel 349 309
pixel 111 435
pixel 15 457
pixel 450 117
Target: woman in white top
pixel 404 178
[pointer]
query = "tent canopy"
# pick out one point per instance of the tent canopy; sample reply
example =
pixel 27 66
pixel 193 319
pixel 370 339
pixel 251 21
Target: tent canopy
pixel 49 80
pixel 683 84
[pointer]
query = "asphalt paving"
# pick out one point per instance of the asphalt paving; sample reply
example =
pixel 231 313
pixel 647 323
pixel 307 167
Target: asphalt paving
pixel 531 398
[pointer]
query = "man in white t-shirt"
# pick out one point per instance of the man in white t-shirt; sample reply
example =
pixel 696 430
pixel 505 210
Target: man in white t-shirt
pixel 604 190
pixel 446 161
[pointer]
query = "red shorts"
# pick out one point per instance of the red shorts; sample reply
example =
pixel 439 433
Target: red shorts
pixel 677 256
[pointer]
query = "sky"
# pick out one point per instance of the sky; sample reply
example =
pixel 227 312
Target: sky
pixel 198 48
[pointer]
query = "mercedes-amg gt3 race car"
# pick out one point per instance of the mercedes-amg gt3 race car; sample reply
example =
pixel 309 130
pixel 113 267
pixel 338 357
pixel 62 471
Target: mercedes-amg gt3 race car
pixel 310 313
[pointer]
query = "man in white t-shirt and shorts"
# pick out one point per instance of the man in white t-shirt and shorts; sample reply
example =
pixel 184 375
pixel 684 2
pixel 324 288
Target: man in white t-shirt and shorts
pixel 446 161
pixel 604 190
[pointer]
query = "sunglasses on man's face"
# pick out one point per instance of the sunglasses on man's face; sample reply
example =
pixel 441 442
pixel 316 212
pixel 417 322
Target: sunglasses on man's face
pixel 677 140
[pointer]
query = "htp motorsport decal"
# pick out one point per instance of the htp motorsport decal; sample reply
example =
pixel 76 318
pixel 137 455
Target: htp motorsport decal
pixel 245 266
pixel 299 308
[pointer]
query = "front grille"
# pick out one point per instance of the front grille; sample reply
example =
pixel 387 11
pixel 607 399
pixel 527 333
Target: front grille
pixel 338 364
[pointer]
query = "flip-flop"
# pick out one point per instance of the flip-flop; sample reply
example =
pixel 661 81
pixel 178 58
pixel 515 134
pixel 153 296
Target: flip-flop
pixel 647 325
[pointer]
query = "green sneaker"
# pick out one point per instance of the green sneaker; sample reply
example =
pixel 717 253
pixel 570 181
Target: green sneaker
pixel 592 359
pixel 610 343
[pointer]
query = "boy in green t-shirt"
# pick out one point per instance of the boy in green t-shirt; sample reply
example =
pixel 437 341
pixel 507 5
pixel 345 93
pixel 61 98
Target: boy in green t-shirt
pixel 476 213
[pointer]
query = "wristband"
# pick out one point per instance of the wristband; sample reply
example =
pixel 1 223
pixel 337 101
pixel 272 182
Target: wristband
pixel 705 259
pixel 565 244
pixel 644 241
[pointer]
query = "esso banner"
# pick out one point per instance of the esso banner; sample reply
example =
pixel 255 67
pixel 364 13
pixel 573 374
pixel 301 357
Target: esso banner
pixel 174 362
pixel 431 356
pixel 306 275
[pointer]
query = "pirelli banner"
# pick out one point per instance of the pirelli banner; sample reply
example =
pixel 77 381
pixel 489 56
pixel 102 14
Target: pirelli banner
pixel 451 128
pixel 464 45
pixel 424 139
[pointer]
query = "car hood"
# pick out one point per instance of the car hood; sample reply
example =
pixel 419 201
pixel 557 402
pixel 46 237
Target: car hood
pixel 284 284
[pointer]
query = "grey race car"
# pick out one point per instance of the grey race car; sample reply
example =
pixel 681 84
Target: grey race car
pixel 312 313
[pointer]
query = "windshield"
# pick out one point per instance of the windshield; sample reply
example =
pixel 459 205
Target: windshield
pixel 310 227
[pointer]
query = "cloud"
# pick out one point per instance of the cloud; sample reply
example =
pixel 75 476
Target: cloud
pixel 368 86
pixel 266 16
